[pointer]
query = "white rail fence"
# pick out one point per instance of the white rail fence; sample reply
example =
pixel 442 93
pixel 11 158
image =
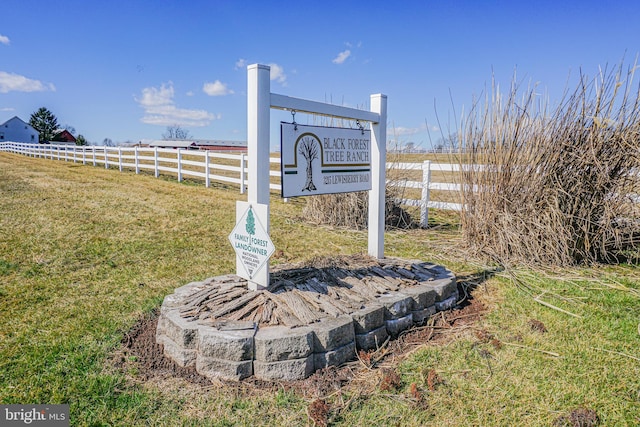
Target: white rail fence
pixel 223 167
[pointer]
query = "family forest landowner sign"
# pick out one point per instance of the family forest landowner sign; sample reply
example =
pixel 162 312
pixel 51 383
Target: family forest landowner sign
pixel 250 241
pixel 324 160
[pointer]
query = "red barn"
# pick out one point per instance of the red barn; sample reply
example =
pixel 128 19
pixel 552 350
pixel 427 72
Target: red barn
pixel 63 135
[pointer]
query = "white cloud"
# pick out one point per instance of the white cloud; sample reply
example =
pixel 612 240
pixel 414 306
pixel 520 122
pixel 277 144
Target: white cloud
pixel 190 93
pixel 216 88
pixel 160 109
pixel 7 109
pixel 277 74
pixel 15 82
pixel 406 131
pixel 342 56
pixel 4 40
pixel 241 64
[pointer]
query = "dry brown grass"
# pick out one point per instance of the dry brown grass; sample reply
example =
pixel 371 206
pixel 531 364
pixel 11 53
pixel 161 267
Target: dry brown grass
pixel 558 186
pixel 351 210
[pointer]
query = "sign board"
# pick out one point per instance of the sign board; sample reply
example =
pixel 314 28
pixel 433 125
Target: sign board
pixel 250 240
pixel 324 160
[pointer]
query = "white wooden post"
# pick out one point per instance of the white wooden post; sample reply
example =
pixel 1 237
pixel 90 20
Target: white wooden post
pixel 106 158
pixel 74 154
pixel 207 179
pixel 155 161
pixel 243 177
pixel 66 154
pixel 120 158
pixel 378 177
pixel 424 202
pixel 135 159
pixel 93 149
pixel 179 165
pixel 258 117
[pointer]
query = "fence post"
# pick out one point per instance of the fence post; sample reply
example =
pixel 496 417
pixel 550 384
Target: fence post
pixel 207 179
pixel 66 154
pixel 155 161
pixel 424 203
pixel 120 158
pixel 179 165
pixel 106 157
pixel 74 154
pixel 93 149
pixel 135 156
pixel 242 173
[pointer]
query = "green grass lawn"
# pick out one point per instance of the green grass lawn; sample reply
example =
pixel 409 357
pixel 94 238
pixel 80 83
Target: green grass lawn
pixel 86 252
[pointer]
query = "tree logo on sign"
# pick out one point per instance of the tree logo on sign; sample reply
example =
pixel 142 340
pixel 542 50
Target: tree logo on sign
pixel 251 223
pixel 309 150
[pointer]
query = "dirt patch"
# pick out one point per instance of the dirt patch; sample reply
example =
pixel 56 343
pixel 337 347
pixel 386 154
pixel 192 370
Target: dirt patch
pixel 140 348
pixel 580 417
pixel 537 326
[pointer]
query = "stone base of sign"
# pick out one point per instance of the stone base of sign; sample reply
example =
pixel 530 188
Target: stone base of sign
pixel 373 339
pixel 234 349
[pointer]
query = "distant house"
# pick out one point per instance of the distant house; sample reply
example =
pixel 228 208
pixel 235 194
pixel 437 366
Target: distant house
pixel 199 144
pixel 16 130
pixel 63 135
pixel 221 145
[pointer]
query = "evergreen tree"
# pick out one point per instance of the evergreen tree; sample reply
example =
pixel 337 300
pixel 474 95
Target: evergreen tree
pixel 251 223
pixel 45 123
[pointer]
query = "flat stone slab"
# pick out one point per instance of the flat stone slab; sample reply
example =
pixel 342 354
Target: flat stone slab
pixel 225 369
pixel 396 305
pixel 395 326
pixel 368 319
pixel 335 357
pixel 226 345
pixel 287 370
pixel 309 318
pixel 372 340
pixel 331 334
pixel 279 343
pixel 420 316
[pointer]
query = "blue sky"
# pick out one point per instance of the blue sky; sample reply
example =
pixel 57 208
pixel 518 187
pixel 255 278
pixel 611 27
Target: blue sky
pixel 125 70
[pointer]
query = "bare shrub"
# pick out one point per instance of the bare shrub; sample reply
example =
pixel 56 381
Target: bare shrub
pixel 559 186
pixel 352 210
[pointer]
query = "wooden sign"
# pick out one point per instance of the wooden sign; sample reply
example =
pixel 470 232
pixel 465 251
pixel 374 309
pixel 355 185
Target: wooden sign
pixel 324 160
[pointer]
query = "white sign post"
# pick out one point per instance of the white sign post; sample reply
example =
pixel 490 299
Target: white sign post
pixel 259 102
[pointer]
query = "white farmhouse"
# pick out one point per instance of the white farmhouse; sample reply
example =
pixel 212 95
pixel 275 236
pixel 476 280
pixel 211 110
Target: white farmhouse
pixel 16 130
